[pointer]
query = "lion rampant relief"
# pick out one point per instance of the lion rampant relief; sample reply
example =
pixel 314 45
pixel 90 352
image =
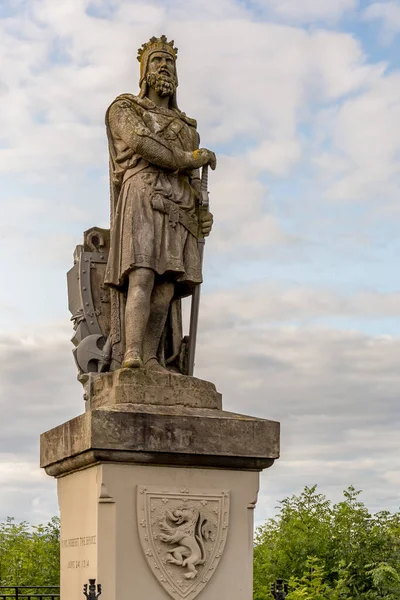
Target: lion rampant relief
pixel 188 529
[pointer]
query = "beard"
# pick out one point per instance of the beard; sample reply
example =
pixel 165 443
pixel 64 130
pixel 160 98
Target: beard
pixel 164 85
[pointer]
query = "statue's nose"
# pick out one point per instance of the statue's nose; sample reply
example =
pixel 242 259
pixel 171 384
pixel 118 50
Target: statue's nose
pixel 163 64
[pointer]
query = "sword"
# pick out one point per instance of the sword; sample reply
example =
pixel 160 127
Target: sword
pixel 194 310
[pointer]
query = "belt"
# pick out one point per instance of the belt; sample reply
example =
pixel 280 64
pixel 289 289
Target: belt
pixel 175 213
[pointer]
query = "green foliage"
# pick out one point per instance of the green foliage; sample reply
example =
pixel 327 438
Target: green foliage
pixel 312 585
pixel 326 551
pixel 386 581
pixel 29 555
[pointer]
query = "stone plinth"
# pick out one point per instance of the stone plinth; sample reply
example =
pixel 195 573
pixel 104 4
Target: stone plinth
pixel 135 386
pixel 151 456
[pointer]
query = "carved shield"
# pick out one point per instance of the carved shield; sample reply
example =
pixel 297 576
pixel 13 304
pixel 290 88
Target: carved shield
pixel 89 301
pixel 183 534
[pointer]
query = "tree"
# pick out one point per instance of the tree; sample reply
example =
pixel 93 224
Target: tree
pixel 29 555
pixel 341 549
pixel 312 585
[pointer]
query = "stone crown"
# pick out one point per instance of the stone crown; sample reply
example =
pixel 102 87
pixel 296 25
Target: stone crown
pixel 155 44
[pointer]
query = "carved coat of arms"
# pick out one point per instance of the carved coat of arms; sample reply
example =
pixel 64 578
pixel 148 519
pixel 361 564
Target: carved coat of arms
pixel 183 534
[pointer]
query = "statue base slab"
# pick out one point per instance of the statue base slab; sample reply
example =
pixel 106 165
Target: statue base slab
pixel 132 473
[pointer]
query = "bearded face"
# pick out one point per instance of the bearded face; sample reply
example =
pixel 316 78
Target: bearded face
pixel 161 74
pixel 163 84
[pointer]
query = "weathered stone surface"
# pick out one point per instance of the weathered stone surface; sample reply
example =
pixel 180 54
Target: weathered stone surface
pixel 184 436
pixel 137 386
pixel 126 286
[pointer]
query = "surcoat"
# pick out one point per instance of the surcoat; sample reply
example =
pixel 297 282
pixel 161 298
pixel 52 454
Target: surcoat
pixel 154 210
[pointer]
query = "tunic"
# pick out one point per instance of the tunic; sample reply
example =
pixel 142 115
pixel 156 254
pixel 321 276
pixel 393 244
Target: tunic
pixel 154 219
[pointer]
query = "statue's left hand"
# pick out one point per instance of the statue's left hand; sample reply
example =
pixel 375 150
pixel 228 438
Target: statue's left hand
pixel 206 222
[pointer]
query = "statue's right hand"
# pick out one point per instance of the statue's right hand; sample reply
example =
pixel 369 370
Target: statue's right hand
pixel 202 157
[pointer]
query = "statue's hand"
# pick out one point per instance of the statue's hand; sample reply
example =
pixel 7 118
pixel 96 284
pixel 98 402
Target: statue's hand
pixel 187 161
pixel 202 157
pixel 206 222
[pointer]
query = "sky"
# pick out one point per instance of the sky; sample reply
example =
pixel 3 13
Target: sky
pixel 300 100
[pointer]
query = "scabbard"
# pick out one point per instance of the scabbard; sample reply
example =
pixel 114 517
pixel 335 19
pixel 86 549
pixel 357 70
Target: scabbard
pixel 194 314
pixel 195 306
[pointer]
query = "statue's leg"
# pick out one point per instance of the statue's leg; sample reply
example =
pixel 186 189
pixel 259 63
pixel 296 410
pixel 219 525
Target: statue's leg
pixel 192 571
pixel 141 283
pixel 159 306
pixel 176 555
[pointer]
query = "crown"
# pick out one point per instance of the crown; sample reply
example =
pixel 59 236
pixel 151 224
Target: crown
pixel 157 45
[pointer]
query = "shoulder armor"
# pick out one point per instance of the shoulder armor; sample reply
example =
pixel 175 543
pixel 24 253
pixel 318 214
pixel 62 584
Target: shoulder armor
pixel 188 120
pixel 124 101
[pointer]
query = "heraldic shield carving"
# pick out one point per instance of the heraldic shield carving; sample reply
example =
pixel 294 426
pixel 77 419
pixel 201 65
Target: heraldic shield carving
pixel 183 534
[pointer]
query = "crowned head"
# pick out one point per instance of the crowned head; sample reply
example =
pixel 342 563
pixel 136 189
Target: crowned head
pixel 157 59
pixel 155 45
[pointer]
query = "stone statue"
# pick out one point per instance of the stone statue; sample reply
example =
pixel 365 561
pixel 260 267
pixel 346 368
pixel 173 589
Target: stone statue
pixel 150 259
pixel 153 444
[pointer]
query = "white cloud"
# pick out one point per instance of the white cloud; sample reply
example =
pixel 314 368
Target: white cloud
pixel 27 493
pixel 340 65
pixel 388 13
pixel 309 11
pixel 335 393
pixel 59 79
pixel 275 157
pixel 275 99
pixel 238 201
pixel 362 161
pixel 52 118
pixel 248 89
pixel 268 303
pixel 38 390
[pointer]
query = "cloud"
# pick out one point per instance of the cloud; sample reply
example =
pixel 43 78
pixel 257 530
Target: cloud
pixel 27 493
pixel 38 390
pixel 64 64
pixel 388 13
pixel 60 95
pixel 238 201
pixel 309 11
pixel 362 161
pixel 335 393
pixel 268 302
pixel 298 116
pixel 38 387
pixel 275 157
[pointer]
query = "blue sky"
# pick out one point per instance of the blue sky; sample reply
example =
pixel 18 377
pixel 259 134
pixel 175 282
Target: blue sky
pixel 300 99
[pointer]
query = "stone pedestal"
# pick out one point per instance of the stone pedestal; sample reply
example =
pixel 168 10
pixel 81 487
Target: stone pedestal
pixel 157 486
